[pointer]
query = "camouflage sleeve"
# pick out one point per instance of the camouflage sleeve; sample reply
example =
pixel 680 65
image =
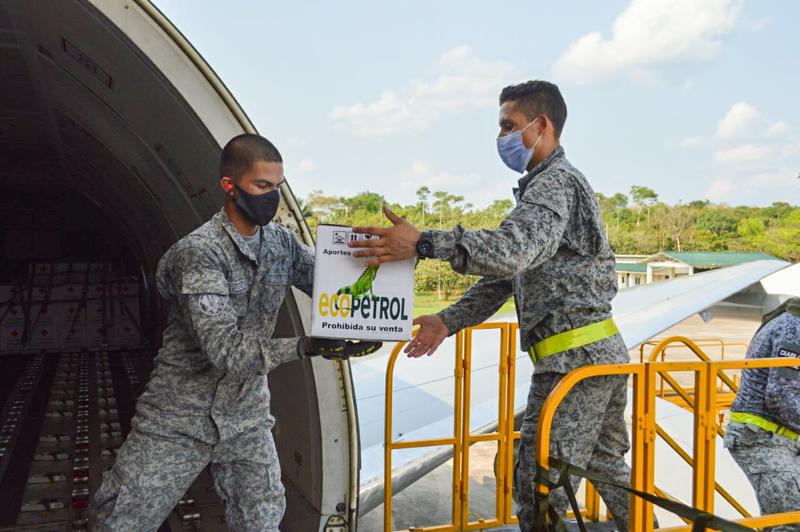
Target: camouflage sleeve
pixel 782 393
pixel 303 273
pixel 477 305
pixel 528 236
pixel 205 303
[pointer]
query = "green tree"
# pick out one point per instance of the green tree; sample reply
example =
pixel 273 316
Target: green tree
pixel 423 193
pixel 370 202
pixel 718 223
pixel 643 198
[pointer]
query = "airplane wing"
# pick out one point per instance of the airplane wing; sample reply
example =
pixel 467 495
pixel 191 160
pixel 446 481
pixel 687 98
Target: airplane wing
pixel 423 389
pixel 644 311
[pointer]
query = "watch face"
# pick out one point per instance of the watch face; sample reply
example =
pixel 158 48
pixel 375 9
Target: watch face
pixel 425 248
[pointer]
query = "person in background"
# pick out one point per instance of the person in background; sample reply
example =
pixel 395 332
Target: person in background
pixel 762 435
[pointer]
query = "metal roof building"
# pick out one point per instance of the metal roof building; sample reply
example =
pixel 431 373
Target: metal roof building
pixel 671 264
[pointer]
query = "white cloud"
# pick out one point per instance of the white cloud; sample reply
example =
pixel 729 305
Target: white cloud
pixel 740 120
pixel 775 179
pixel 769 185
pixel 423 173
pixel 745 153
pixel 778 129
pixel 421 168
pixel 306 166
pixel 690 142
pixel 760 24
pixel 720 189
pixel 469 185
pixel 648 34
pixel 462 80
pixel 790 150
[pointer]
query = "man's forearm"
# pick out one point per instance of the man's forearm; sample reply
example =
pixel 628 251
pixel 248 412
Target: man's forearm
pixel 527 238
pixel 477 305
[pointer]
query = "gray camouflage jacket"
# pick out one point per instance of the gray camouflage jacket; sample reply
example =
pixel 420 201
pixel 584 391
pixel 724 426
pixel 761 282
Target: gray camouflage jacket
pixel 773 393
pixel 210 374
pixel 551 254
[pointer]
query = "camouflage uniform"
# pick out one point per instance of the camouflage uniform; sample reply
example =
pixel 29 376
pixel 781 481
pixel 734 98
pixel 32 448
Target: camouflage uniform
pixel 207 401
pixel 552 255
pixel 770 461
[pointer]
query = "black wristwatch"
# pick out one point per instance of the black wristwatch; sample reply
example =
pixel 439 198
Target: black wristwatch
pixel 425 245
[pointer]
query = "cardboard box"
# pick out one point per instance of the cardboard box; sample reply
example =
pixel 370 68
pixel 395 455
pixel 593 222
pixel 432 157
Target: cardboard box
pixel 44 336
pixel 97 291
pixel 124 287
pixel 71 320
pixel 68 292
pixel 125 329
pixel 41 293
pixel 126 334
pixel 7 292
pixel 38 268
pixel 12 329
pixel 44 328
pixel 71 267
pixel 11 337
pixel 355 302
pixel 98 323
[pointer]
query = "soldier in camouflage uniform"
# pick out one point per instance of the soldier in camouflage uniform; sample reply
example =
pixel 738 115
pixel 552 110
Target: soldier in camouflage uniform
pixel 552 255
pixel 207 401
pixel 765 418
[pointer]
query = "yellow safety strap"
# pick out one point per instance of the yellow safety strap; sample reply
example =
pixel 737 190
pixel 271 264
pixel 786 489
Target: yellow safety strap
pixel 558 343
pixel 760 422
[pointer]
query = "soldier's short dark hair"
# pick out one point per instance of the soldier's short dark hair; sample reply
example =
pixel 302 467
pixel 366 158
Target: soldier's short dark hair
pixel 538 97
pixel 243 151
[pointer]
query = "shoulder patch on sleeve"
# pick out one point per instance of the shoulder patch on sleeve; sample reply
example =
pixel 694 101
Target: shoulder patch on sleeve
pixel 211 304
pixel 789 349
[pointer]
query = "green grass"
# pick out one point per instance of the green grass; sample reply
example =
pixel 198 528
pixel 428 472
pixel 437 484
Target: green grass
pixel 429 303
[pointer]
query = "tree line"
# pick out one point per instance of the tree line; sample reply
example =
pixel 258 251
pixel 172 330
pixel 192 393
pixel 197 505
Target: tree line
pixel 636 223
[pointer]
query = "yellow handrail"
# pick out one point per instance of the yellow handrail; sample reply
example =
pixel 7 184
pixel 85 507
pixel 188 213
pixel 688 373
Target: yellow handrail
pixel 499 435
pixel 644 430
pixel 702 399
pixel 455 440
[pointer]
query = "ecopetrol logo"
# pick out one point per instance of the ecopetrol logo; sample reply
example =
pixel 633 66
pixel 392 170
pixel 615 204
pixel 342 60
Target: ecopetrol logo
pixel 358 300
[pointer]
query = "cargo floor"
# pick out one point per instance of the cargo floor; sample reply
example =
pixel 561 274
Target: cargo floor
pixel 62 417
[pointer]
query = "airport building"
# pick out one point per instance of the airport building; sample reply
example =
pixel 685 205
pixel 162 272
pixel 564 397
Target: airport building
pixel 637 270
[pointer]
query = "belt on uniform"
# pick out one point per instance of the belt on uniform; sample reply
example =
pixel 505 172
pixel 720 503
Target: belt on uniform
pixel 760 422
pixel 558 343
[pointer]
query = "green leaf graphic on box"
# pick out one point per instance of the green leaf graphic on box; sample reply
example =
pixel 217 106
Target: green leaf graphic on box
pixel 363 285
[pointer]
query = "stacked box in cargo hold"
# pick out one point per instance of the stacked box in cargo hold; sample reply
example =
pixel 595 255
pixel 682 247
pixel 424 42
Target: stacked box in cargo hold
pixel 43 327
pixel 71 324
pixel 13 327
pixel 71 305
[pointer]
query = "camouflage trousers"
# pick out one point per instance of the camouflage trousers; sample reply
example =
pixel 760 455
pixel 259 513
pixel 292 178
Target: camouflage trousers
pixel 771 464
pixel 156 465
pixel 588 431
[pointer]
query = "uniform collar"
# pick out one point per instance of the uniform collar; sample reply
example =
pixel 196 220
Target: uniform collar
pixel 222 219
pixel 525 180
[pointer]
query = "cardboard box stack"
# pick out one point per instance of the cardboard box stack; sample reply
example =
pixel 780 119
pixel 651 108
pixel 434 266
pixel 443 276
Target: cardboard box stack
pixel 70 305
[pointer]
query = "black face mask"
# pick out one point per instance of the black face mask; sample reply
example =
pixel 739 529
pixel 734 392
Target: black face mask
pixel 260 209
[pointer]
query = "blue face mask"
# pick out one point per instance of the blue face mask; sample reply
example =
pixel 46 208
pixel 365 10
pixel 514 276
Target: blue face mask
pixel 513 151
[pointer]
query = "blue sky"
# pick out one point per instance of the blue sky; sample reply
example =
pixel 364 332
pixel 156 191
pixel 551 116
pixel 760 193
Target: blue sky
pixel 696 99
